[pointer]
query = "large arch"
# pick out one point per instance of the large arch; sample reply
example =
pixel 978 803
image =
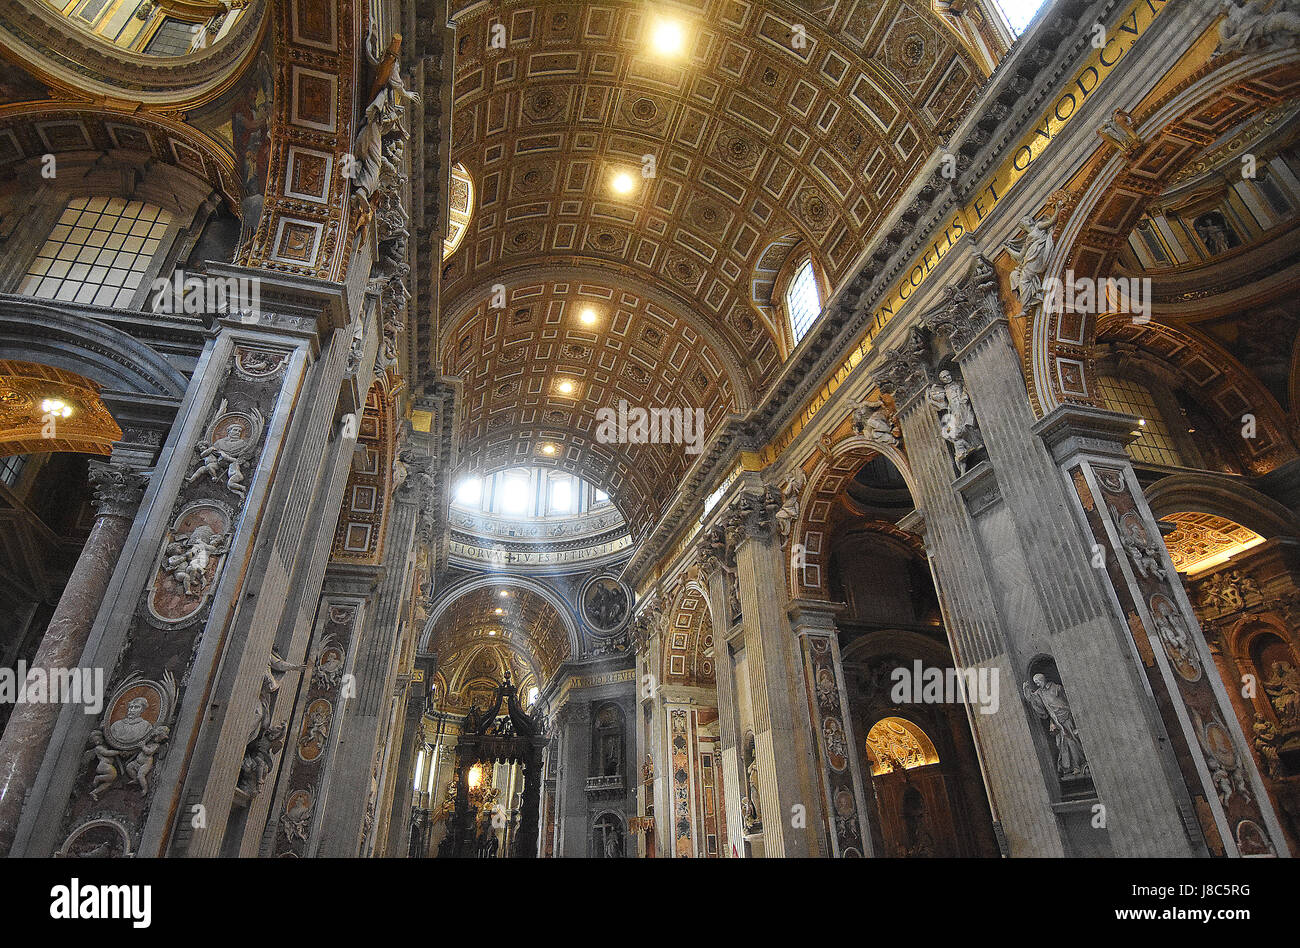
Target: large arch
pixel 33 331
pixel 828 477
pixel 1172 131
pixel 442 606
pixel 1223 496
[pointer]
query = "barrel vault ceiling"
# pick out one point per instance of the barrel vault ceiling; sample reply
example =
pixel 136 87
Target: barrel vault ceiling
pixel 521 627
pixel 761 144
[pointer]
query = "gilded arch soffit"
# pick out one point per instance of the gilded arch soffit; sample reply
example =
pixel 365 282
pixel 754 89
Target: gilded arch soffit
pixel 1223 386
pixel 76 64
pixel 528 626
pixel 688 639
pixel 1059 350
pixel 30 130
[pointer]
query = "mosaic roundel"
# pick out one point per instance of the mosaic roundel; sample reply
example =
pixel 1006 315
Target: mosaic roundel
pixel 606 605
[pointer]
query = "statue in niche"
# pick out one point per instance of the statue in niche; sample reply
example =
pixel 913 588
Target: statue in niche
pixel 1257 25
pixel 1032 253
pixel 750 807
pixel 1215 233
pixel 1144 554
pixel 1047 698
pixel 872 419
pixel 609 841
pixel 613 844
pixel 1283 690
pixel 956 417
pixel 789 510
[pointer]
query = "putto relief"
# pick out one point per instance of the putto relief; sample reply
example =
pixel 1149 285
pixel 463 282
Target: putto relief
pixel 131 733
pixel 190 562
pixel 231 443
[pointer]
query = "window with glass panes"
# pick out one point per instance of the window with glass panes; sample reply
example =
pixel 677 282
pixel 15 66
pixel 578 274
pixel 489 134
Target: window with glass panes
pixel 11 468
pixel 1156 444
pixel 98 252
pixel 173 38
pixel 803 301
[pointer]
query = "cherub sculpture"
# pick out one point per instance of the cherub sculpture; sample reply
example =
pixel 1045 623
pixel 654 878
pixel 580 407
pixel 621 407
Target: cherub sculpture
pixel 188 556
pixel 225 456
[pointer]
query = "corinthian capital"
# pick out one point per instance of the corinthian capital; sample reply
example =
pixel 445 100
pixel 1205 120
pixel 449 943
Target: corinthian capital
pixel 711 551
pixel 118 489
pixel 968 307
pixel 905 370
pixel 752 515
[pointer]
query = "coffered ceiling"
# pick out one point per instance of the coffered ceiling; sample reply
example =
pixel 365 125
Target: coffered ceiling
pixel 778 125
pixel 528 628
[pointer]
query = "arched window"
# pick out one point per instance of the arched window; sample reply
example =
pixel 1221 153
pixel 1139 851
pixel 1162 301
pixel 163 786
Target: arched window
pixel 460 209
pixel 98 252
pixel 803 301
pixel 1155 444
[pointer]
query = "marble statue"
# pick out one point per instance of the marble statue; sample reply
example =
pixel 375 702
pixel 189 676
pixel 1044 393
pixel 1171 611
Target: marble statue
pixel 956 417
pixel 1265 742
pixel 1283 689
pixel 1047 698
pixel 1032 254
pixel 1258 25
pixel 789 510
pixel 872 419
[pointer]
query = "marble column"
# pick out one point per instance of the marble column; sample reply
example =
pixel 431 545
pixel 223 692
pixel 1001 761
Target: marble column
pixel 1191 710
pixel 118 490
pixel 1057 602
pixel 730 767
pixel 828 701
pixel 399 817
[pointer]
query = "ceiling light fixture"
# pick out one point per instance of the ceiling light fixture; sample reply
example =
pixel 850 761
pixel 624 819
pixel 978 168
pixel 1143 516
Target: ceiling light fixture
pixel 623 183
pixel 588 316
pixel 548 449
pixel 57 407
pixel 565 387
pixel 668 38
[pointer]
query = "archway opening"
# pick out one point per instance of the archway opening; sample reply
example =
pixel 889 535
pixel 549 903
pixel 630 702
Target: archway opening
pixel 915 747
